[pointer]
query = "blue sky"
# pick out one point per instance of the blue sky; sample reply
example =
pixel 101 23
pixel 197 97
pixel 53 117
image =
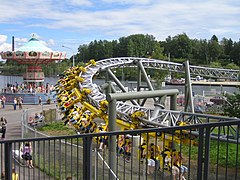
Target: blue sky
pixel 75 22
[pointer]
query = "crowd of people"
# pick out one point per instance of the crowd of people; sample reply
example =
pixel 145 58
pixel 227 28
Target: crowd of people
pixel 28 88
pixel 18 102
pixel 124 147
pixel 36 120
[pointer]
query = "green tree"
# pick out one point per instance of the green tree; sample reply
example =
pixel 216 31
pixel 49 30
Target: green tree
pixel 157 53
pixel 232 108
pixel 214 49
pixel 235 53
pixel 232 66
pixel 215 64
pixel 227 45
pixel 179 46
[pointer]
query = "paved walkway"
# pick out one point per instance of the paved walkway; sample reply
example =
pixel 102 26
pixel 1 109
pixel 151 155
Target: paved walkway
pixel 14 132
pixel 14 117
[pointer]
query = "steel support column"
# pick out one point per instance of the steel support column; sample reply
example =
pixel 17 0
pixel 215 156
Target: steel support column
pixel 112 139
pixel 140 65
pixel 115 79
pixel 188 89
pixel 173 102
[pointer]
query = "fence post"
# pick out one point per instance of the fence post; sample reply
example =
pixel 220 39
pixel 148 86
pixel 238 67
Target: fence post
pixel 95 163
pixel 87 158
pixel 200 153
pixel 8 160
pixel 206 156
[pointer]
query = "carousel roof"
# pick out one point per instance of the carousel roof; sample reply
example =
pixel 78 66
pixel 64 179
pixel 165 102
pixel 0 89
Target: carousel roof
pixel 34 45
pixel 33 52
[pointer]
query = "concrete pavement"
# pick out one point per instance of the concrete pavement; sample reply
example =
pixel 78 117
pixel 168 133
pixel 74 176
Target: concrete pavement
pixel 14 118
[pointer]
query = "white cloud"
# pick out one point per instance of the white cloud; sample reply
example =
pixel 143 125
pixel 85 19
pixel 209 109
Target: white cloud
pixel 3 38
pixel 128 1
pixel 81 2
pixel 5 47
pixel 50 42
pixel 20 40
pixel 160 18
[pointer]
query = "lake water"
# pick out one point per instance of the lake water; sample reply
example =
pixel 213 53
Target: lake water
pixel 196 88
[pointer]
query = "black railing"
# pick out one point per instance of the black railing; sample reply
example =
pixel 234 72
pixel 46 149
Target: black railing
pixel 152 153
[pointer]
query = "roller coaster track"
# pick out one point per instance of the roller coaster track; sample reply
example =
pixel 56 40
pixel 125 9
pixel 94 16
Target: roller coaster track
pixel 164 116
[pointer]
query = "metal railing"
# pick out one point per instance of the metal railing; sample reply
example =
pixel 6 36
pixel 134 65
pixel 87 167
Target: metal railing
pixel 78 156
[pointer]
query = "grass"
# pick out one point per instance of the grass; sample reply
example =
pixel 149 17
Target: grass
pixel 57 128
pixel 217 154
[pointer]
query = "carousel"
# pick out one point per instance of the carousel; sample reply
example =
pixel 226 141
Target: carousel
pixel 33 54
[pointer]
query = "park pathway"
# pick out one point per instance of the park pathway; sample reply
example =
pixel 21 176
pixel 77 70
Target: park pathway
pixel 14 132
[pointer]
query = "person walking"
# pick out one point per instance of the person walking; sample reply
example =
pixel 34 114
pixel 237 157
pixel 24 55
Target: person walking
pixel 3 124
pixel 27 154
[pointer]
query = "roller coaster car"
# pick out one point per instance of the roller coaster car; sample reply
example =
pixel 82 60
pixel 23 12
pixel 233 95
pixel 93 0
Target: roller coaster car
pixel 86 91
pixel 91 62
pixel 90 128
pixel 82 69
pixel 69 102
pixel 79 79
pixel 103 105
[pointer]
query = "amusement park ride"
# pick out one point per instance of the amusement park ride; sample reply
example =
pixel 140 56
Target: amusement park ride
pixel 82 101
pixel 33 54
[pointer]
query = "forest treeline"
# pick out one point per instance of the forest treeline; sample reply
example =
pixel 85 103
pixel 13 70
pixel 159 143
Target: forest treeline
pixel 212 53
pixel 179 48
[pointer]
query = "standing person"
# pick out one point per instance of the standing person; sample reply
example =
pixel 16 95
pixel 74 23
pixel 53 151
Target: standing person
pixel 27 154
pixel 15 104
pixel 1 104
pixel 151 159
pixel 3 124
pixel 39 100
pixel 20 101
pixel 3 101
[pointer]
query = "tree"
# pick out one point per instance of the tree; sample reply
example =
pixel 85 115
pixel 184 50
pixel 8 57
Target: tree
pixel 157 53
pixel 215 64
pixel 179 46
pixel 235 53
pixel 232 66
pixel 232 108
pixel 214 48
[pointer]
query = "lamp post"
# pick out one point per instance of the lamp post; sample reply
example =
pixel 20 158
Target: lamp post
pixel 72 52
